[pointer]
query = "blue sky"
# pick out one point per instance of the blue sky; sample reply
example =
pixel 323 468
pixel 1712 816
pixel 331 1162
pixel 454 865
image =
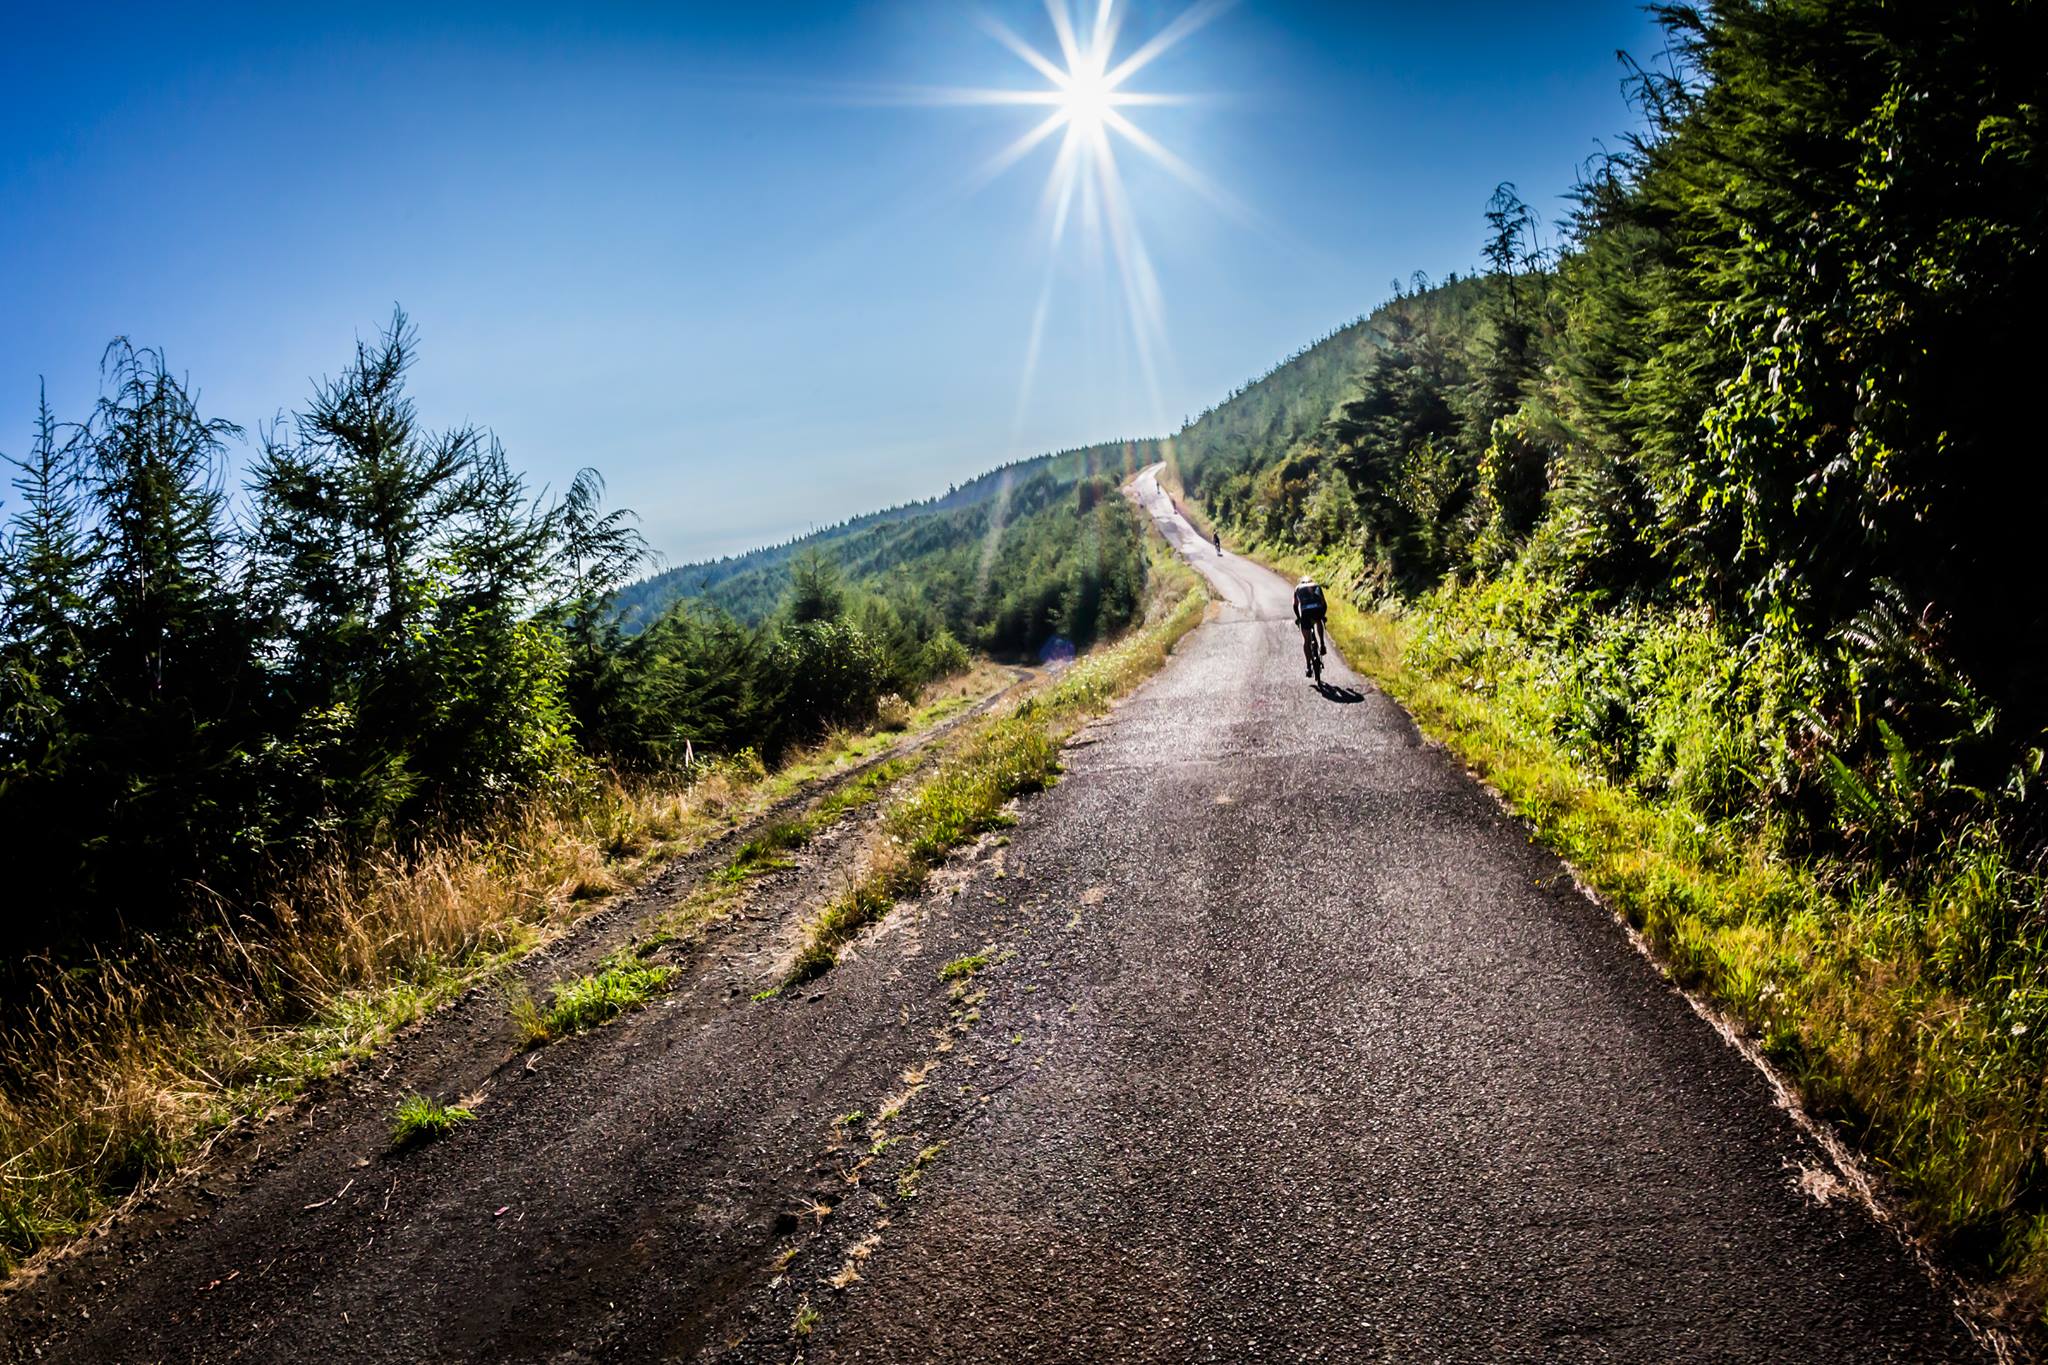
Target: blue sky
pixel 723 253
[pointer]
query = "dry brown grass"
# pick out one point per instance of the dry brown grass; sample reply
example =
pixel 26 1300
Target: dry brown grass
pixel 124 1067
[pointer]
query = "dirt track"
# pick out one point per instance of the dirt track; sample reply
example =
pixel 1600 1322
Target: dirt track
pixel 1289 1047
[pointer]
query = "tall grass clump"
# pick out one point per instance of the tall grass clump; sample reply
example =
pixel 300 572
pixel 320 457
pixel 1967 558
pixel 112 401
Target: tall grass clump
pixel 623 983
pixel 420 1120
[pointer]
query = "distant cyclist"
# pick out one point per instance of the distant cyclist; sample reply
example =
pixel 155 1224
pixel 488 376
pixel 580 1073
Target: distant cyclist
pixel 1309 611
pixel 1219 542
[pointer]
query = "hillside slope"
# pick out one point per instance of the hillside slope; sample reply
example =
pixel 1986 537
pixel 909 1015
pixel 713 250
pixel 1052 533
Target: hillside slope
pixel 874 544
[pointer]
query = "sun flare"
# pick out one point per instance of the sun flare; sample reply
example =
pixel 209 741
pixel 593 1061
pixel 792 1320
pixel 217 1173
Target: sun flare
pixel 1086 99
pixel 1085 93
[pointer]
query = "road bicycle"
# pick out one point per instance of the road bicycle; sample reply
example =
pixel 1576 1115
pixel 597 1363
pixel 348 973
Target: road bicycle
pixel 1312 649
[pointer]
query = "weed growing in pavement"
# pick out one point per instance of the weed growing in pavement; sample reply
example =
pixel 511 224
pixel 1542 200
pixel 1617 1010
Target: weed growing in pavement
pixel 907 1180
pixel 421 1120
pixel 962 967
pixel 806 1319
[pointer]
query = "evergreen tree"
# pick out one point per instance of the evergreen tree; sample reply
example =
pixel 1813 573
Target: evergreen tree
pixel 170 694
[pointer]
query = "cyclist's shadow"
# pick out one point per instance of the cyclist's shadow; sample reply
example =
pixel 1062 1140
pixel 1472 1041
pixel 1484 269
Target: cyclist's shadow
pixel 1344 695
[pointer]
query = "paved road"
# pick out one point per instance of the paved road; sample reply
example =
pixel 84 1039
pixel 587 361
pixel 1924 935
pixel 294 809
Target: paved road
pixel 1342 1069
pixel 1289 1047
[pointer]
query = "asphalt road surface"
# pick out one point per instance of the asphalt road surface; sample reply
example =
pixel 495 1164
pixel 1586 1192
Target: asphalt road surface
pixel 1286 1044
pixel 1346 1070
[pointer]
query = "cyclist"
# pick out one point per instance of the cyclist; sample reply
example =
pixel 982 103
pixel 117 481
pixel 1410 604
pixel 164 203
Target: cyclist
pixel 1219 542
pixel 1309 611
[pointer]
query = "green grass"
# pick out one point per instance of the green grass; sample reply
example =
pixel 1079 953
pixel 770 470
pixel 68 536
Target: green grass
pixel 1001 758
pixel 863 790
pixel 624 983
pixel 962 967
pixel 421 1120
pixel 763 853
pixel 853 910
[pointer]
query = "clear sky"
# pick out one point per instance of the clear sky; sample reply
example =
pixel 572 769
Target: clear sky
pixel 733 255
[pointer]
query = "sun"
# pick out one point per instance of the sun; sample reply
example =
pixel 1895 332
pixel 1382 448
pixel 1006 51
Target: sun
pixel 1086 95
pixel 1086 98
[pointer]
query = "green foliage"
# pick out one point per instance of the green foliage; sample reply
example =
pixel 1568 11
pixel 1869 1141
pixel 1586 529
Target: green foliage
pixel 874 549
pixel 388 645
pixel 1049 562
pixel 420 1120
pixel 824 673
pixel 127 659
pixel 943 656
pixel 1038 553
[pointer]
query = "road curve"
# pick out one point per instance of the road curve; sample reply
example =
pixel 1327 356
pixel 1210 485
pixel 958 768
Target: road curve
pixel 1341 1068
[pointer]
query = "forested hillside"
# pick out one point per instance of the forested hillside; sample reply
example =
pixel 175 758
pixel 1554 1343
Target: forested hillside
pixel 921 543
pixel 1729 503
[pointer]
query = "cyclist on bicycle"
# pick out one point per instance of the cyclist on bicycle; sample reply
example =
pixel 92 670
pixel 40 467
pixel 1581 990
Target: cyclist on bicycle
pixel 1309 611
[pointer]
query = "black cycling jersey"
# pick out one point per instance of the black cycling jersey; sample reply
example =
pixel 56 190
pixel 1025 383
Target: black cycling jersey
pixel 1308 601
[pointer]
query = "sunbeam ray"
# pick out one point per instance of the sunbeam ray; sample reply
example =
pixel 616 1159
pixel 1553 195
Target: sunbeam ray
pixel 1086 97
pixel 1177 168
pixel 1063 29
pixel 1008 38
pixel 1017 151
pixel 1187 22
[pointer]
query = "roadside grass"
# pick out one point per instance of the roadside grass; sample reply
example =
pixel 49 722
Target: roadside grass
pixel 1859 985
pixel 623 983
pixel 420 1120
pixel 724 889
pixel 118 1071
pixel 1001 758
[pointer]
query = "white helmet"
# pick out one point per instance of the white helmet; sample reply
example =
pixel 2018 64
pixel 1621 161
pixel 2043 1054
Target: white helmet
pixel 1306 582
